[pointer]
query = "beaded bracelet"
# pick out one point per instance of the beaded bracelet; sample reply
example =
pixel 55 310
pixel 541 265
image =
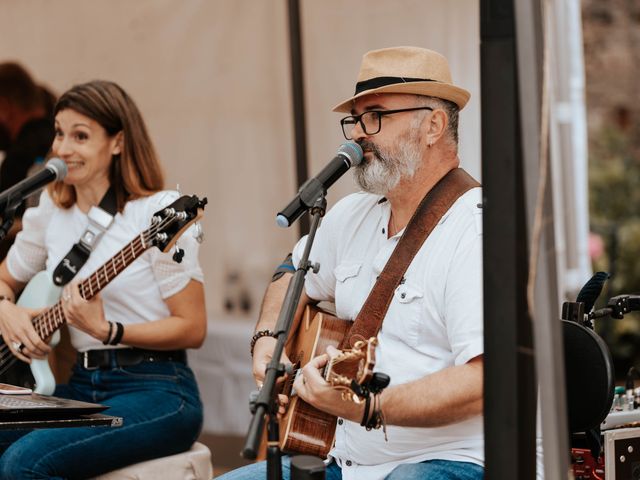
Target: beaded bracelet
pixel 257 336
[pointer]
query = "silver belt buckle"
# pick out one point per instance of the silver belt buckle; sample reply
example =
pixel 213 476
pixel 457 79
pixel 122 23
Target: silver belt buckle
pixel 85 361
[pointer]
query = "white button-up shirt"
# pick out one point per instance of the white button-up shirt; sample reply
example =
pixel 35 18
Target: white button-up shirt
pixel 433 322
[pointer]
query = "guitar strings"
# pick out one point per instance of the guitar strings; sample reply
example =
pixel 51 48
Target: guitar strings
pixel 55 314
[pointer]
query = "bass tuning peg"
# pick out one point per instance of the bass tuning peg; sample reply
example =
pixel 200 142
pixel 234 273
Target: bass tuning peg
pixel 177 256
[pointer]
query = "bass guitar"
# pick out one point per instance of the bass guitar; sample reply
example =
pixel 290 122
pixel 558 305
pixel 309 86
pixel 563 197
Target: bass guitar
pixel 166 226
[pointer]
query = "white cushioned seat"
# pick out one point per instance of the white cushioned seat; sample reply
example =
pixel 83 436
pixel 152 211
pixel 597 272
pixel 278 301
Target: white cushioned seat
pixel 194 464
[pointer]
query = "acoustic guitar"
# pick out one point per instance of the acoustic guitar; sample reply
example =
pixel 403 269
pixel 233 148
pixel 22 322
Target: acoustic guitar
pixel 166 226
pixel 304 428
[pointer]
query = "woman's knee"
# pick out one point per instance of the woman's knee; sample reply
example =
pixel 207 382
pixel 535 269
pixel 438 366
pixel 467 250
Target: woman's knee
pixel 17 463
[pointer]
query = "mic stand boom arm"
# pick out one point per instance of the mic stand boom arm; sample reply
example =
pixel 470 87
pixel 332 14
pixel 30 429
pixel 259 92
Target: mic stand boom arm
pixel 266 403
pixel 618 306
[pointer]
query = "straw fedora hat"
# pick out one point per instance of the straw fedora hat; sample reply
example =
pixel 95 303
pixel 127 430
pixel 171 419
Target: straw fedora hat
pixel 405 70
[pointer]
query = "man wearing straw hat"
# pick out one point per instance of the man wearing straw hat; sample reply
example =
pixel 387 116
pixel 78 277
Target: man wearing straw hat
pixel 404 115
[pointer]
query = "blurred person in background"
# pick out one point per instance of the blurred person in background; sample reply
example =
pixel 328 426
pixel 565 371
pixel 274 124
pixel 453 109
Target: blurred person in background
pixel 26 124
pixel 26 131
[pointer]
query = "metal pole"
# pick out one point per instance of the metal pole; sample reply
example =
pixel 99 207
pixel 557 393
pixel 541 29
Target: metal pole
pixel 297 93
pixel 510 387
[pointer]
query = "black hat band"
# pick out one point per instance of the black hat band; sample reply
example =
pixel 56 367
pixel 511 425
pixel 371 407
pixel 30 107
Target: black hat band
pixel 378 82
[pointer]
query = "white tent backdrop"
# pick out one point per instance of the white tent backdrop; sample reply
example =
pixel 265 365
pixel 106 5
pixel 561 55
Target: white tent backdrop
pixel 212 79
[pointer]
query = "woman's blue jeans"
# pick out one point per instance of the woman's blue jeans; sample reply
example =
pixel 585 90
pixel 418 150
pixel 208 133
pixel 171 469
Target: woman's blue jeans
pixel 162 412
pixel 431 470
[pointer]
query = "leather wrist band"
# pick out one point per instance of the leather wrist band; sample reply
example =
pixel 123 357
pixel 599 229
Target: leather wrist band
pixel 377 417
pixel 108 339
pixel 118 336
pixel 365 416
pixel 257 336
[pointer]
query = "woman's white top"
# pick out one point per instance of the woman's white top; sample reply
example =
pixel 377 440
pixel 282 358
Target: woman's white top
pixel 137 294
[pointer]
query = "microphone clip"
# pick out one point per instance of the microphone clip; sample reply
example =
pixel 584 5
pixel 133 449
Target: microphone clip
pixel 574 312
pixel 319 205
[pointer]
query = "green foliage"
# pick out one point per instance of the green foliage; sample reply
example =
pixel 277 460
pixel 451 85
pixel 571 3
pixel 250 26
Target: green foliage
pixel 614 206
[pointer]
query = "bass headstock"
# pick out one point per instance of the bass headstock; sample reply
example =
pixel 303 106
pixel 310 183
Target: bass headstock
pixel 352 369
pixel 169 223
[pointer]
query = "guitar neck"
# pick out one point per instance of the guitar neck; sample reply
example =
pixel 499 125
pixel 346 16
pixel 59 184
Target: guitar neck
pixel 47 322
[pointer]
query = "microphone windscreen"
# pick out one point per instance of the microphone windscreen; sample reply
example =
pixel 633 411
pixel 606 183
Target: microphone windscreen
pixel 58 166
pixel 352 151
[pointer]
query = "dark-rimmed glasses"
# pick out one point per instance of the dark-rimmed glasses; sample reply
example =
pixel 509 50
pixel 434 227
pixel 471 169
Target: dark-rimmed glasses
pixel 371 121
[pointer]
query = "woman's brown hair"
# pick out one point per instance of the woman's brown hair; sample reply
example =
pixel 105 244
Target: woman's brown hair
pixel 136 171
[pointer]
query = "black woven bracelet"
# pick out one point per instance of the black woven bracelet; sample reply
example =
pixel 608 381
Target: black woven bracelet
pixel 118 336
pixel 257 336
pixel 375 421
pixel 108 339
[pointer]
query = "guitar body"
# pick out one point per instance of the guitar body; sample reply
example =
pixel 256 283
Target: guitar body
pixel 304 428
pixel 40 292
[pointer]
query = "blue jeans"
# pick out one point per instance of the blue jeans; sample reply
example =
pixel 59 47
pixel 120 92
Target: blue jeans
pixel 162 413
pixel 258 471
pixel 431 470
pixel 437 470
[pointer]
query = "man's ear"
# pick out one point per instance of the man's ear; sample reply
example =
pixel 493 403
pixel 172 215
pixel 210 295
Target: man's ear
pixel 438 122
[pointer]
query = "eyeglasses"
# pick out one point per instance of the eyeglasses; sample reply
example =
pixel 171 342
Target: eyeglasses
pixel 371 121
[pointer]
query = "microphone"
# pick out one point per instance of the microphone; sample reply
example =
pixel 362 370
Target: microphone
pixel 55 169
pixel 349 154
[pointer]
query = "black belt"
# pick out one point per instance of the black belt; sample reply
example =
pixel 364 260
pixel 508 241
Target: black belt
pixel 126 357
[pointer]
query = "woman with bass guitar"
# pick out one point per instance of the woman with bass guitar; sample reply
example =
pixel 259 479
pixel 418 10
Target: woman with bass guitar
pixel 129 321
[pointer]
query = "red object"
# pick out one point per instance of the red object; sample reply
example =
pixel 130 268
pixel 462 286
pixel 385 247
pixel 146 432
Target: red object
pixel 584 466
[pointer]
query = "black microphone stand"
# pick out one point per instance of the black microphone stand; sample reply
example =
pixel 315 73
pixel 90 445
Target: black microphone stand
pixel 8 216
pixel 266 403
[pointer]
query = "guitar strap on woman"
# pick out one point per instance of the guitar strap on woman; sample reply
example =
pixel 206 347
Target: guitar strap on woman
pixel 431 209
pixel 100 219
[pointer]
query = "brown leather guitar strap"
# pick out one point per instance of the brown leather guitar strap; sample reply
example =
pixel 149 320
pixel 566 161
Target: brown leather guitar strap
pixel 431 209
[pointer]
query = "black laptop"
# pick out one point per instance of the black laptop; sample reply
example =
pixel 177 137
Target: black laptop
pixel 34 406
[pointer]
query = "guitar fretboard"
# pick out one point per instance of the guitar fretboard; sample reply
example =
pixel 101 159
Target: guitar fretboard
pixel 51 319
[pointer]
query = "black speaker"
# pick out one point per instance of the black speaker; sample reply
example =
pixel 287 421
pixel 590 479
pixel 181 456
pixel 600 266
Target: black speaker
pixel 589 377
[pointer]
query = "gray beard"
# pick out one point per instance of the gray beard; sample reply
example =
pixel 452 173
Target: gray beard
pixel 387 167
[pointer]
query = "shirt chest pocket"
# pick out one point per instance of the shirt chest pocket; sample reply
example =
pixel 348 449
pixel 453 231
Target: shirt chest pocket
pixel 347 286
pixel 405 314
